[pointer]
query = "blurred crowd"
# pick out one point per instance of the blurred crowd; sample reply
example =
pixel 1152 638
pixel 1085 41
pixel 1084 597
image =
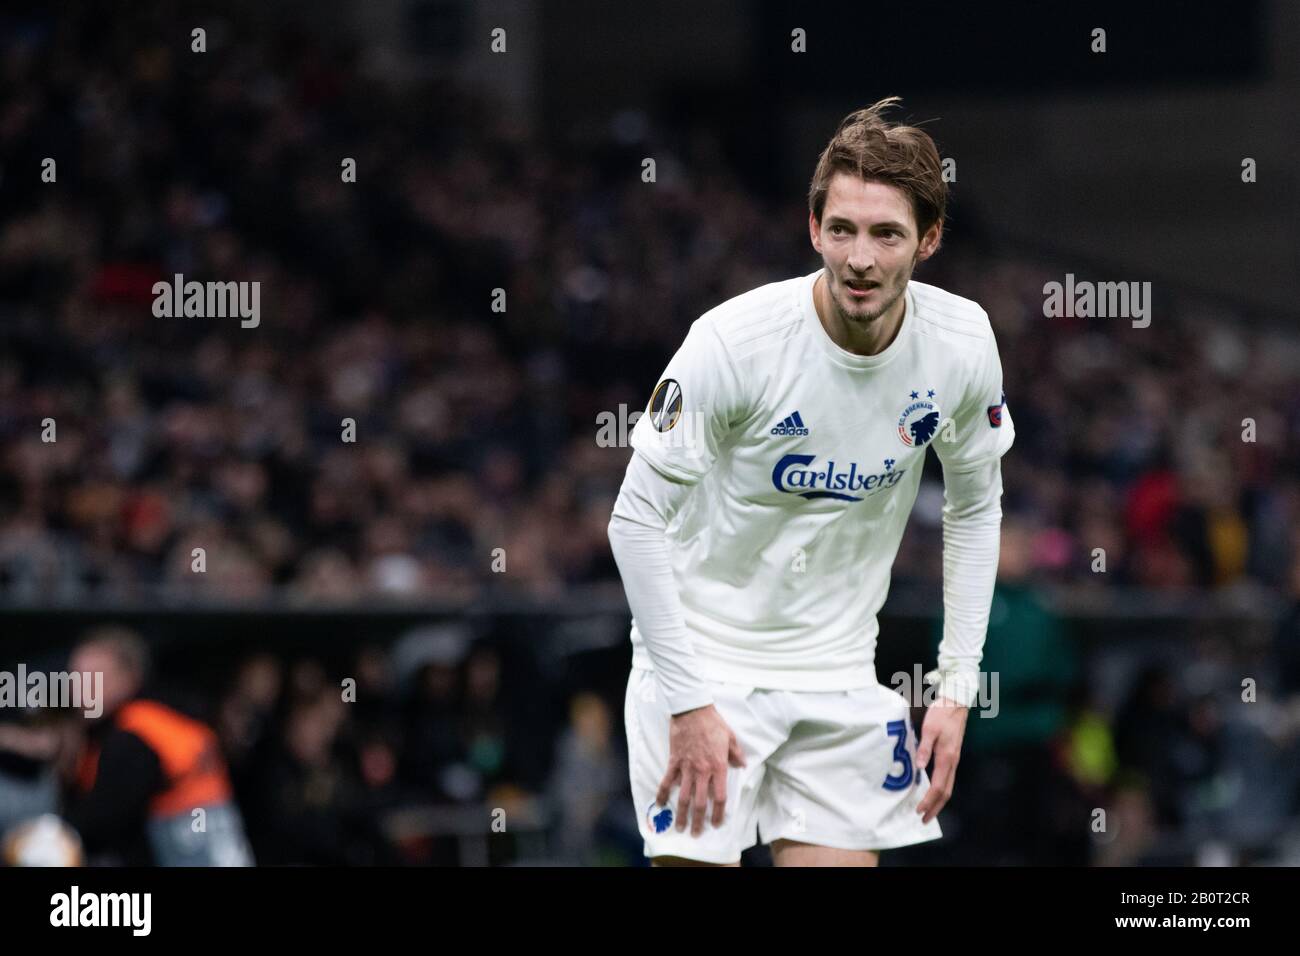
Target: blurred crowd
pixel 415 760
pixel 447 747
pixel 1179 749
pixel 476 430
pixel 428 750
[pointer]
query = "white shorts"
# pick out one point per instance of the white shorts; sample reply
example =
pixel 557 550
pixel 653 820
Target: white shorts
pixel 830 768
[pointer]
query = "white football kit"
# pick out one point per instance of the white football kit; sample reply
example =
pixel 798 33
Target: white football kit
pixel 755 533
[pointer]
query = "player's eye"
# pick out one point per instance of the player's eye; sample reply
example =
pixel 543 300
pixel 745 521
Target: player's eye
pixel 834 228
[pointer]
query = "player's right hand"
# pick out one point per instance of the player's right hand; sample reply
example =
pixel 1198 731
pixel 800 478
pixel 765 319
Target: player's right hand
pixel 700 748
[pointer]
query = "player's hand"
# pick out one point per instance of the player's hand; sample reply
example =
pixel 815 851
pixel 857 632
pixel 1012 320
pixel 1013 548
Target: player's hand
pixel 700 747
pixel 942 731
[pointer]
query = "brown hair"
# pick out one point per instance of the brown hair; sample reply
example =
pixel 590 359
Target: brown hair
pixel 866 145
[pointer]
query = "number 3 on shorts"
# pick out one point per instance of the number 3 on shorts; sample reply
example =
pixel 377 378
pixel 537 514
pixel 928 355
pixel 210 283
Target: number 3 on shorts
pixel 898 728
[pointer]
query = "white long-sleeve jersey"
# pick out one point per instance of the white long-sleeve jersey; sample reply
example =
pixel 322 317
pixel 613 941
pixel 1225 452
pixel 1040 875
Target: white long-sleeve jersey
pixel 771 483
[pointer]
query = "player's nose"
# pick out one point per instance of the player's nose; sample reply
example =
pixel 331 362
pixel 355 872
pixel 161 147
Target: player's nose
pixel 860 259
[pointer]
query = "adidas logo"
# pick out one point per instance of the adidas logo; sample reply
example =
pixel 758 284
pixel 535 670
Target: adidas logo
pixel 793 425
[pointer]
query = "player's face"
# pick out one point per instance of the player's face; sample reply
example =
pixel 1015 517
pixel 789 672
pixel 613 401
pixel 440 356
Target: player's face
pixel 868 241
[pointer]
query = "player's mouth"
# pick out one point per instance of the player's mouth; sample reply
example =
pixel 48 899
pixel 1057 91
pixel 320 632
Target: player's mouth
pixel 860 288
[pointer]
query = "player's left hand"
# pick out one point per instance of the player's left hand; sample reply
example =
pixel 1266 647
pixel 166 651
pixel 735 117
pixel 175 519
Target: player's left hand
pixel 942 731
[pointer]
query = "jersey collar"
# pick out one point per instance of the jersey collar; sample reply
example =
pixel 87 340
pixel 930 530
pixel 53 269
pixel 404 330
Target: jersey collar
pixel 842 356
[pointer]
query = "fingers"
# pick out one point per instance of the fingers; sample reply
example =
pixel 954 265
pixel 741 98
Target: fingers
pixel 735 758
pixel 666 785
pixel 735 755
pixel 941 785
pixel 928 734
pixel 697 788
pixel 701 804
pixel 693 799
pixel 702 769
pixel 719 798
pixel 684 797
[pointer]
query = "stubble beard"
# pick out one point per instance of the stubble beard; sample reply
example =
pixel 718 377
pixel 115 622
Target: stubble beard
pixel 863 319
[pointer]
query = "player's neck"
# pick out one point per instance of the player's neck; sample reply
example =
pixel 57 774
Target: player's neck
pixel 865 339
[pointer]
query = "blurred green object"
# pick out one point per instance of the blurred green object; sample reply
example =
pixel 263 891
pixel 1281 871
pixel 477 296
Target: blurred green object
pixel 1035 666
pixel 1091 750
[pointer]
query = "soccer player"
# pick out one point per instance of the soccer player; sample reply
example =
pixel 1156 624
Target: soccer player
pixel 773 473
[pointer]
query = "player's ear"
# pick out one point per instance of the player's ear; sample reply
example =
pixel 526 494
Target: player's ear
pixel 814 231
pixel 930 242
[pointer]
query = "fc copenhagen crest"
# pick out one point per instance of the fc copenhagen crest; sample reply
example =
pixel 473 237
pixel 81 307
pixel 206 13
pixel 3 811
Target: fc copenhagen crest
pixel 919 420
pixel 666 405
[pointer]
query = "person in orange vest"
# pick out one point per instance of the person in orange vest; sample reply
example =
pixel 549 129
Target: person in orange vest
pixel 150 784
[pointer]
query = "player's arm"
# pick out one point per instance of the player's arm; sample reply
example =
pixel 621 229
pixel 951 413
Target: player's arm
pixel 982 432
pixel 689 419
pixel 700 743
pixel 687 423
pixel 638 529
pixel 972 525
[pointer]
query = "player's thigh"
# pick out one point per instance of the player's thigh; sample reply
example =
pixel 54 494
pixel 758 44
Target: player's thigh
pixel 648 727
pixel 793 853
pixel 847 778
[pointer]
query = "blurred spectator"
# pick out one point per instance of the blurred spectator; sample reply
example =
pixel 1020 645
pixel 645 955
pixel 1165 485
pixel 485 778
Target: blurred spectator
pixel 1148 728
pixel 29 785
pixel 312 808
pixel 485 736
pixel 587 780
pixel 150 783
pixel 1288 635
pixel 247 710
pixel 435 757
